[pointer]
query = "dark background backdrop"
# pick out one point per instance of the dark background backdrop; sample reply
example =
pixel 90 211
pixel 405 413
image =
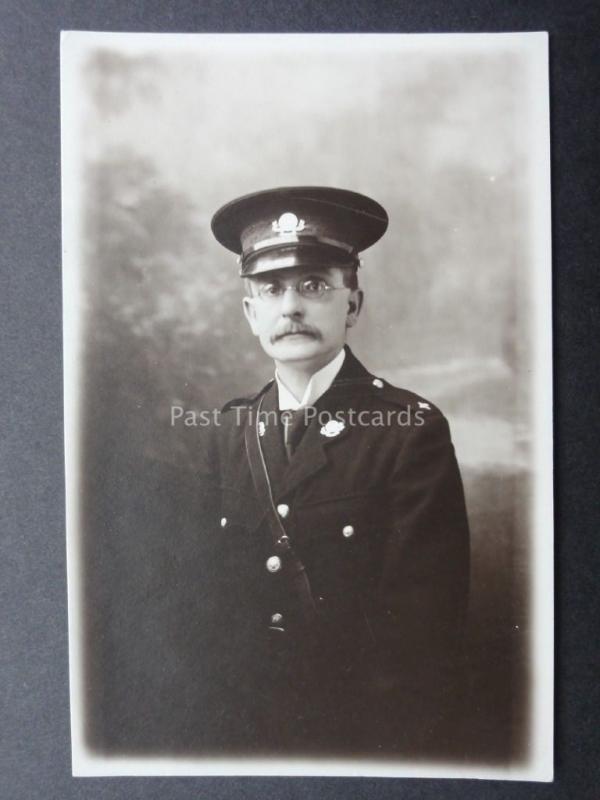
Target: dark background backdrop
pixel 35 750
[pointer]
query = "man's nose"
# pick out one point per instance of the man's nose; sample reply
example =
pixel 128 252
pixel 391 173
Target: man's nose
pixel 291 303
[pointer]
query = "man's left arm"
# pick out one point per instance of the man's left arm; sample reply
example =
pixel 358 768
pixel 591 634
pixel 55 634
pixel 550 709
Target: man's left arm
pixel 421 597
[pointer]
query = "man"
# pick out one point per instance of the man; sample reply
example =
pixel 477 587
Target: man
pixel 336 560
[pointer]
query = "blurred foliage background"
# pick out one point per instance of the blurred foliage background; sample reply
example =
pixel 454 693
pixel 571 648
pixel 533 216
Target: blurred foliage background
pixel 441 137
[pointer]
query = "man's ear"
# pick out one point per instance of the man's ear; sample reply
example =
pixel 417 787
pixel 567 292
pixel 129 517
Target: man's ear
pixel 250 313
pixel 355 302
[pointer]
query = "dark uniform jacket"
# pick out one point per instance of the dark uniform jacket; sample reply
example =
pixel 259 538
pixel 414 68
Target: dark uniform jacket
pixel 373 507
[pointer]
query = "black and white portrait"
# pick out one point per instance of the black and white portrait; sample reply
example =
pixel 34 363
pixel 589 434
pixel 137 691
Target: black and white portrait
pixel 308 404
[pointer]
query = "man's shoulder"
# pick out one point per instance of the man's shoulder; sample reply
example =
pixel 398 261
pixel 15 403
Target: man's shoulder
pixel 356 380
pixel 400 396
pixel 378 391
pixel 247 401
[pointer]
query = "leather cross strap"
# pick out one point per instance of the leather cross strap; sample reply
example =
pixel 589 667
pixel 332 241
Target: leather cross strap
pixel 280 540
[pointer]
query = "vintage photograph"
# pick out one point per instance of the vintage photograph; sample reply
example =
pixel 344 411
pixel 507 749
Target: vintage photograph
pixel 308 404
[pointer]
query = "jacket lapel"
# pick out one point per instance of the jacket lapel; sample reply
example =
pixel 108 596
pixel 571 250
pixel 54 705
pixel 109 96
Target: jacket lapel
pixel 309 458
pixel 271 441
pixel 328 425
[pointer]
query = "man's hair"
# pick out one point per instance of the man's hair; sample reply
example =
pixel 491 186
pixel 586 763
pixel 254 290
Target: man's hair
pixel 349 277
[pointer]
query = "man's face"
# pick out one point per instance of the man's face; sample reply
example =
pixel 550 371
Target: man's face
pixel 306 331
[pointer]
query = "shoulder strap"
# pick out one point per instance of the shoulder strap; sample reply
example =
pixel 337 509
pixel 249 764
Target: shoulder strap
pixel 281 543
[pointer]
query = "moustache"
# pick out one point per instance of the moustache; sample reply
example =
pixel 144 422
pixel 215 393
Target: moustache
pixel 291 330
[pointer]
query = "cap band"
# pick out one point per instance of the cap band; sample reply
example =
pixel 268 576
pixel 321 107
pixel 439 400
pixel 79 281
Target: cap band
pixel 292 238
pixel 296 252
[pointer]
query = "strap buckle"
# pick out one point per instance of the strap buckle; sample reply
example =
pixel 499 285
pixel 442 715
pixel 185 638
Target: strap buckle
pixel 282 545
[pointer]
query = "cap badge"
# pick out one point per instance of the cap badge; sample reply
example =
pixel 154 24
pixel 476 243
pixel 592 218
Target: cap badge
pixel 424 405
pixel 332 428
pixel 288 223
pixel 261 428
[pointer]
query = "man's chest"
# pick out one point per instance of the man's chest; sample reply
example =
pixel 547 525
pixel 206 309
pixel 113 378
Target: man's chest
pixel 333 499
pixel 337 457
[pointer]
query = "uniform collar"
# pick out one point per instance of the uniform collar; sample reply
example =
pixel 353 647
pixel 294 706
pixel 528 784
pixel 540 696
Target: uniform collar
pixel 350 383
pixel 317 386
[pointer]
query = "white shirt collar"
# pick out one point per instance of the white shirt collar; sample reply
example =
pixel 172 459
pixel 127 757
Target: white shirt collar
pixel 317 385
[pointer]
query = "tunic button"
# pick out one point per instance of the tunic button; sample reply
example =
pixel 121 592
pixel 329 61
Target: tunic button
pixel 283 510
pixel 378 383
pixel 347 531
pixel 275 618
pixel 223 521
pixel 274 564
